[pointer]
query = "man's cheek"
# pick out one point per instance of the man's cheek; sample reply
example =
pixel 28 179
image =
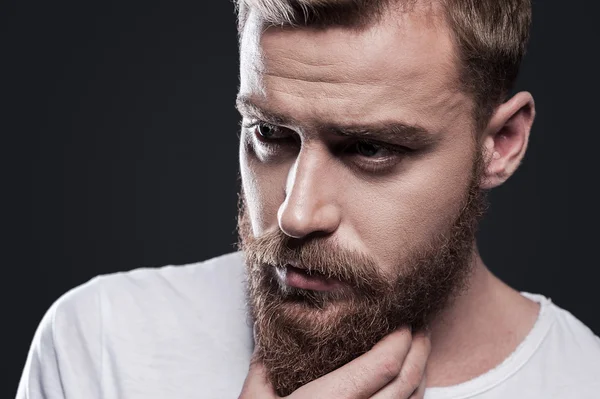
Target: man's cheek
pixel 264 195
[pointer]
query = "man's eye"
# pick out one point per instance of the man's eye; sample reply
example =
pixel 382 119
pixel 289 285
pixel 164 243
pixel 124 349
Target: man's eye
pixel 376 157
pixel 371 150
pixel 267 131
pixel 367 149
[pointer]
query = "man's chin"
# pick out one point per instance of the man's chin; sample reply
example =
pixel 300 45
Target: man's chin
pixel 299 343
pixel 305 313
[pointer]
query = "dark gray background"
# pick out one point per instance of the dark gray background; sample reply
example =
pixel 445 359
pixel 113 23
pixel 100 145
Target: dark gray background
pixel 120 142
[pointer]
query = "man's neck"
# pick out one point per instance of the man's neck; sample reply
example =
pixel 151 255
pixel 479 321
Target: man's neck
pixel 480 329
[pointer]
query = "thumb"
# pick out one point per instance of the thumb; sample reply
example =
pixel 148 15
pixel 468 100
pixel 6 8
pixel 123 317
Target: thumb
pixel 257 385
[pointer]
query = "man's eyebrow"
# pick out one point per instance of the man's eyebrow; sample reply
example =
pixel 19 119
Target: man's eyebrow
pixel 389 132
pixel 247 107
pixel 386 131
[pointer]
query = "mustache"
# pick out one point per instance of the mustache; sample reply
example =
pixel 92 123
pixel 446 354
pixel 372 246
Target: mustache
pixel 316 255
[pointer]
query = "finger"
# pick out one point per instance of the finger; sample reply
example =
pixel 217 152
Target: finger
pixel 366 374
pixel 257 384
pixel 420 392
pixel 411 376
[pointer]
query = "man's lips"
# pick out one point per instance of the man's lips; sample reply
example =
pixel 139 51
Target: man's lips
pixel 298 277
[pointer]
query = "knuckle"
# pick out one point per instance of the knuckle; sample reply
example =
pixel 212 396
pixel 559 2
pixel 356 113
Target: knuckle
pixel 389 367
pixel 411 375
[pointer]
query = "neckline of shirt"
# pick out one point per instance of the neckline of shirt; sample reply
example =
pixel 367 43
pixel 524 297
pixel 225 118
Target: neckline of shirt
pixel 510 365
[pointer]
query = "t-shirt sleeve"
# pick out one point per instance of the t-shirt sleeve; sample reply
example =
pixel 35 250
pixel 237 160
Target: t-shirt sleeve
pixel 65 357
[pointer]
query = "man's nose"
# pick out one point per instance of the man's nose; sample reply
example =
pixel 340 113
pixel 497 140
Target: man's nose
pixel 310 204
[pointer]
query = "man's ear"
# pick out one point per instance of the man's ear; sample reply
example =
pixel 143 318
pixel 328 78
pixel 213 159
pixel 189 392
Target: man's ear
pixel 505 139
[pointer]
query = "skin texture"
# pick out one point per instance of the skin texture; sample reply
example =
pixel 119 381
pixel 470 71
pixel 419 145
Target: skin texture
pixel 316 183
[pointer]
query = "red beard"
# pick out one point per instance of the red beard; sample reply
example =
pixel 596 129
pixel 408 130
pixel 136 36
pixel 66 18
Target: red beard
pixel 302 335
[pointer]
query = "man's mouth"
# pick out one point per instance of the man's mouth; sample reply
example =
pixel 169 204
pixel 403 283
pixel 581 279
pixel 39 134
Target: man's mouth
pixel 301 278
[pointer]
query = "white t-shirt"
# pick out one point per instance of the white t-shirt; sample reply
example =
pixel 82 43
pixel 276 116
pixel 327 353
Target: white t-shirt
pixel 181 332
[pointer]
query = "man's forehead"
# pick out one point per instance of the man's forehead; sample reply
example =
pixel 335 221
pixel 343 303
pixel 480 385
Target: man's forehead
pixel 404 63
pixel 392 45
pixel 398 29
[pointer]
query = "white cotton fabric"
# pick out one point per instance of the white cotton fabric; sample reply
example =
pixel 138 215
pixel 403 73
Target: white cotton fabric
pixel 182 332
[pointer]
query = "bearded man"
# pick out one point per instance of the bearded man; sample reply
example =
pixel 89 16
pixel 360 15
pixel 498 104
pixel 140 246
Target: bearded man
pixel 371 132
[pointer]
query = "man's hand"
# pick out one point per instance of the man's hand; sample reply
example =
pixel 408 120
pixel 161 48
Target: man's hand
pixel 393 368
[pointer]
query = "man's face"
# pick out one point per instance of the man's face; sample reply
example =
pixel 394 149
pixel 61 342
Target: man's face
pixel 358 161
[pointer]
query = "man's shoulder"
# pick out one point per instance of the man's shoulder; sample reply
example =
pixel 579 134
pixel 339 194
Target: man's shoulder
pixel 157 281
pixel 212 270
pixel 199 287
pixel 177 326
pixel 577 339
pixel 570 356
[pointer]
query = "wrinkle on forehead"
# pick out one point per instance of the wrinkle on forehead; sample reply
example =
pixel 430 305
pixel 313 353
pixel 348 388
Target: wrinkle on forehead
pixel 400 39
pixel 337 81
pixel 403 65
